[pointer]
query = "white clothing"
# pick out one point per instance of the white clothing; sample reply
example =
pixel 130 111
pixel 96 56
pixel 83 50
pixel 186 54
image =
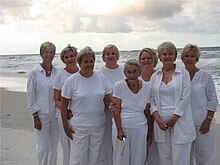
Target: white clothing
pixel 86 96
pixel 106 154
pixel 203 98
pixel 41 99
pixel 133 121
pixel 86 102
pixel 132 105
pixel 65 141
pixel 184 132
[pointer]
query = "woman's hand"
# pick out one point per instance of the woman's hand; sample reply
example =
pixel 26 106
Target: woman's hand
pixel 172 121
pixel 69 131
pixel 37 122
pixel 121 135
pixel 162 124
pixel 205 126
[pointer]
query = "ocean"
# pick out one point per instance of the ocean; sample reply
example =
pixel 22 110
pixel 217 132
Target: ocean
pixel 15 68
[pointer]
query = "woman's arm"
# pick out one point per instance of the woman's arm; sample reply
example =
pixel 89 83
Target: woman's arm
pixel 57 98
pixel 150 125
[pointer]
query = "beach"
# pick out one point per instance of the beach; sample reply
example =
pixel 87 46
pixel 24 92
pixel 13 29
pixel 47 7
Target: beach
pixel 17 133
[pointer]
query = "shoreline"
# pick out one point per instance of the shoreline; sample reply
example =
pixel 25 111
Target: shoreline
pixel 17 133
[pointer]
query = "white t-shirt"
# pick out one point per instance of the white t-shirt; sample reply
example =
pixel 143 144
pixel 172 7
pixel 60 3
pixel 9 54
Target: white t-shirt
pixel 112 75
pixel 58 83
pixel 86 96
pixel 133 105
pixel 203 96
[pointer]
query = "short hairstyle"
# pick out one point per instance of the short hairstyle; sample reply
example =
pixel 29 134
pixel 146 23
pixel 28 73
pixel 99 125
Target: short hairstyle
pixel 67 50
pixel 132 62
pixel 47 46
pixel 84 52
pixel 190 47
pixel 152 54
pixel 110 46
pixel 168 45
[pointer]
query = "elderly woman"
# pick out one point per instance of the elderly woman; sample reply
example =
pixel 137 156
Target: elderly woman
pixel 86 93
pixel 170 106
pixel 68 57
pixel 147 58
pixel 204 105
pixel 112 72
pixel 130 104
pixel 42 106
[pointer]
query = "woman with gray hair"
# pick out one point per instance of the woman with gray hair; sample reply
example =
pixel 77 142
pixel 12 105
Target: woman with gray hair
pixel 41 105
pixel 170 106
pixel 204 104
pixel 86 94
pixel 129 107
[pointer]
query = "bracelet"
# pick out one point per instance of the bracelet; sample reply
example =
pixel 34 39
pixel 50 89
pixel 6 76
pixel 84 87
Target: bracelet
pixel 209 117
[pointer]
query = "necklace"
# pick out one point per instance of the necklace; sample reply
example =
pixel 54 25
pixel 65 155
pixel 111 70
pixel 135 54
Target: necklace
pixel 132 86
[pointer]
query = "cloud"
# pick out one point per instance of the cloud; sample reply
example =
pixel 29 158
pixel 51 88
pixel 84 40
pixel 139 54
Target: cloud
pixel 115 16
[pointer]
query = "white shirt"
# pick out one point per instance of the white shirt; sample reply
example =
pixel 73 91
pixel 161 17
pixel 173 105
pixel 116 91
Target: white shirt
pixel 203 96
pixel 133 105
pixel 59 80
pixel 184 131
pixel 40 90
pixel 112 75
pixel 86 96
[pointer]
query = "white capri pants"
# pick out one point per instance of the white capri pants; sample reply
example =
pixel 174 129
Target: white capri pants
pixel 47 138
pixel 204 147
pixel 171 153
pixel 135 150
pixel 65 143
pixel 86 143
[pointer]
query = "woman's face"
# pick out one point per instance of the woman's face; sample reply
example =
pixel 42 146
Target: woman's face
pixel 167 57
pixel 146 59
pixel 110 57
pixel 189 59
pixel 87 64
pixel 131 72
pixel 69 58
pixel 48 55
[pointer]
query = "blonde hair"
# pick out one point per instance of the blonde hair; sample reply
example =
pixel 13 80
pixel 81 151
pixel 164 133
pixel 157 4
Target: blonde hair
pixel 152 54
pixel 84 52
pixel 168 45
pixel 67 50
pixel 47 46
pixel 110 46
pixel 190 47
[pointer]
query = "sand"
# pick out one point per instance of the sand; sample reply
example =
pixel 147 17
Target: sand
pixel 17 136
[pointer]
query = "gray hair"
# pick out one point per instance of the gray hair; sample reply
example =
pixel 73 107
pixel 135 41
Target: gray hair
pixel 132 62
pixel 47 46
pixel 190 47
pixel 84 52
pixel 110 46
pixel 67 50
pixel 168 45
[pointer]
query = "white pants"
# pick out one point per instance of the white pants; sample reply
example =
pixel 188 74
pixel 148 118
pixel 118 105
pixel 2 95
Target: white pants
pixel 47 138
pixel 135 150
pixel 171 153
pixel 106 147
pixel 85 146
pixel 204 147
pixel 153 155
pixel 65 143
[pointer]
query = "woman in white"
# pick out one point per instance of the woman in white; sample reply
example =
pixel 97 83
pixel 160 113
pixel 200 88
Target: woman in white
pixel 147 58
pixel 204 105
pixel 42 106
pixel 112 72
pixel 86 93
pixel 170 106
pixel 130 105
pixel 68 56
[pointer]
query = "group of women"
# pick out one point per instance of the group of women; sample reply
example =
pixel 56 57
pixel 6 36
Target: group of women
pixel 131 115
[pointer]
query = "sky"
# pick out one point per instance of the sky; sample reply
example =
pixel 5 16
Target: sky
pixel 129 24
